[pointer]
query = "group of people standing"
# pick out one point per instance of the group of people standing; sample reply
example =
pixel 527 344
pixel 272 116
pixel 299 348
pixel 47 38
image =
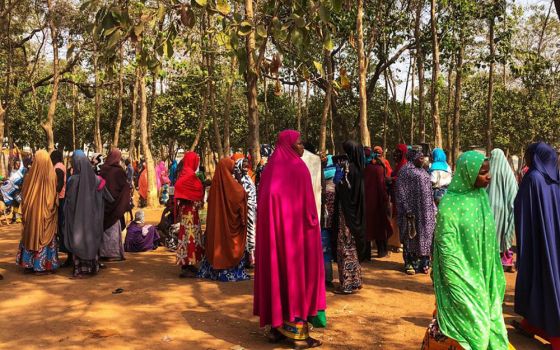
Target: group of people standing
pixel 307 211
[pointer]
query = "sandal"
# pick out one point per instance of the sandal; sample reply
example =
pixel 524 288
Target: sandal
pixel 409 269
pixel 307 343
pixel 341 291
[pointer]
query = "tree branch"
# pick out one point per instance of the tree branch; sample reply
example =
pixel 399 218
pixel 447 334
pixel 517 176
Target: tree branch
pixel 46 80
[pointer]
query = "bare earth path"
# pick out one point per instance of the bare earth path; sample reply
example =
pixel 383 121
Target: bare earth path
pixel 157 310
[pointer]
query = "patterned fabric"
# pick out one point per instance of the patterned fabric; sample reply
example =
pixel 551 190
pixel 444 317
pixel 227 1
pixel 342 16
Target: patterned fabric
pixel 434 339
pixel 349 269
pixel 507 258
pixel 327 253
pixel 46 259
pixel 111 244
pixel 328 204
pixel 251 191
pixel 468 276
pixel 235 274
pixel 190 249
pixel 415 206
pixel 297 330
pixel 85 267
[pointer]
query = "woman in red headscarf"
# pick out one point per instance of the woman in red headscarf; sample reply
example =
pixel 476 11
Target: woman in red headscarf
pixel 189 196
pixel 289 270
pixel 399 156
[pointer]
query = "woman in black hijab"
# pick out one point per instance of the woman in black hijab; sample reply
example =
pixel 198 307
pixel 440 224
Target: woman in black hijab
pixel 350 219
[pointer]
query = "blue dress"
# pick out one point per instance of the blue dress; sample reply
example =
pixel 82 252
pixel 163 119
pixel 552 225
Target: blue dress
pixel 537 222
pixel 234 274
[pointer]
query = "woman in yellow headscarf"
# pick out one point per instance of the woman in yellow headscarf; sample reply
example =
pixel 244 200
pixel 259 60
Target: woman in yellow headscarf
pixel 38 249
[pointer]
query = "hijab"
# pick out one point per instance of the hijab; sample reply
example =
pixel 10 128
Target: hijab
pixel 501 194
pixel 188 185
pixel 56 157
pixel 468 276
pixel 83 209
pixel 226 227
pixel 404 150
pixel 39 203
pixel 118 186
pixel 330 169
pixel 544 160
pixel 440 161
pixel 351 195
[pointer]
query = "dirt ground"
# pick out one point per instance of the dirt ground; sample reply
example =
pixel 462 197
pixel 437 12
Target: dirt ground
pixel 158 310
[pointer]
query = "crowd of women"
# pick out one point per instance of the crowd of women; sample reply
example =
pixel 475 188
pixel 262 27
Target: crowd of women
pixel 301 211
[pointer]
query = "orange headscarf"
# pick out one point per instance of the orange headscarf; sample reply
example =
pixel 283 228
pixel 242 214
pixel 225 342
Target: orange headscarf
pixel 226 228
pixel 236 156
pixel 39 203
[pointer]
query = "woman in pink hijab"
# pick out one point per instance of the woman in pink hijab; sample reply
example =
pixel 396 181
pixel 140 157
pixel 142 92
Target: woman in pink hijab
pixel 289 271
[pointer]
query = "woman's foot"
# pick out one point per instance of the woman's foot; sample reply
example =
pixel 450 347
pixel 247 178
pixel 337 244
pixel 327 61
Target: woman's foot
pixel 307 343
pixel 341 291
pixel 409 269
pixel 275 336
pixel 519 328
pixel 188 272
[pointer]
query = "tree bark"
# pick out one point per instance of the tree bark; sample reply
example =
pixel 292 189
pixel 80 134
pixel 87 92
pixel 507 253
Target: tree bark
pixel 557 5
pixel 4 108
pixel 448 114
pixel 385 111
pixel 326 104
pixel 97 131
pixel 227 112
pixel 152 194
pixel 420 63
pixel 457 103
pixel 49 123
pixel 438 141
pixel 132 144
pixel 299 107
pixel 120 99
pixel 489 104
pixel 412 64
pixel 253 140
pixel 365 138
pixel 201 122
pixel 74 113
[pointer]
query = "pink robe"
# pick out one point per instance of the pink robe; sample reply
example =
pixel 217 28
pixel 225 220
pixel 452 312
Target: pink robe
pixel 289 270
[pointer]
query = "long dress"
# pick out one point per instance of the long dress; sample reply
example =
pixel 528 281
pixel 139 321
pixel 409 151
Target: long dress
pixel 468 277
pixel 378 224
pixel 226 229
pixel 289 272
pixel 501 194
pixel 83 213
pixel 537 222
pixel 189 194
pixel 350 220
pixel 416 213
pixel 38 248
pixel 113 219
pixel 251 191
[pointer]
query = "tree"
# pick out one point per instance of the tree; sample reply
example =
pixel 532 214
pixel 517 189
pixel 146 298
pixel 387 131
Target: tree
pixel 362 66
pixel 48 124
pixel 438 141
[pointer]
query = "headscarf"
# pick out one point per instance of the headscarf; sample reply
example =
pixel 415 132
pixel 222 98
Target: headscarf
pixel 414 154
pixel 288 238
pixel 236 156
pixel 161 177
pixel 537 223
pixel 468 276
pixel 440 161
pixel 143 183
pixel 501 194
pixel 351 196
pixel 188 185
pixel 173 172
pixel 404 150
pixel 56 157
pixel 379 151
pixel 368 153
pixel 83 210
pixel 226 227
pixel 118 186
pixel 139 217
pixel 39 204
pixel 330 169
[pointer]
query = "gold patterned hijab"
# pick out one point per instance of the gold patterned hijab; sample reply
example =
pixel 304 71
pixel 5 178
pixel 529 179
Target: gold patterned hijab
pixel 39 203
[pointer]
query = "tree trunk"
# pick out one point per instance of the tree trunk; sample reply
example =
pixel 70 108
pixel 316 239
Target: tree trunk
pixel 152 194
pixel 74 113
pixel 211 88
pixel 201 122
pixel 299 107
pixel 227 112
pixel 420 63
pixel 385 111
pixel 153 96
pixel 489 104
pixel 438 141
pixel 412 64
pixel 326 104
pixel 365 138
pixel 132 144
pixel 49 123
pixel 557 5
pixel 120 99
pixel 457 104
pixel 449 111
pixel 4 108
pixel 253 140
pixel 97 136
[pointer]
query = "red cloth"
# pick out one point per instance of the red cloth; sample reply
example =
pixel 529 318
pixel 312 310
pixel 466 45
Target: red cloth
pixel 188 185
pixel 289 269
pixel 403 160
pixel 377 203
pixel 554 341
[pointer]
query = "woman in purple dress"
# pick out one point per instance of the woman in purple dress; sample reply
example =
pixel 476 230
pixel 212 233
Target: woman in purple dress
pixel 139 236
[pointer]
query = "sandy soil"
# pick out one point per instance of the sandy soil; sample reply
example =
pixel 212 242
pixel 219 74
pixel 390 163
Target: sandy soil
pixel 158 310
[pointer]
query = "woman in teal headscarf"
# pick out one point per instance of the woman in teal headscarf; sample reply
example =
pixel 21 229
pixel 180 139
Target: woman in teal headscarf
pixel 501 193
pixel 468 277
